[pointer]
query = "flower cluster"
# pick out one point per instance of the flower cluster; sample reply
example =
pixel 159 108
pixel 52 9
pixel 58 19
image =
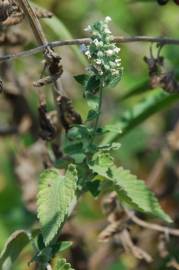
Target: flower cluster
pixel 102 54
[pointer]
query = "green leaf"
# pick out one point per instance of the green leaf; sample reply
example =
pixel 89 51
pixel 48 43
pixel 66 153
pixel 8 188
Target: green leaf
pixel 130 190
pixel 63 245
pixel 82 79
pixel 93 101
pixel 44 254
pixel 91 115
pixel 94 187
pixel 109 146
pixel 13 247
pixel 153 103
pixel 62 264
pixel 93 85
pixel 113 82
pixel 55 199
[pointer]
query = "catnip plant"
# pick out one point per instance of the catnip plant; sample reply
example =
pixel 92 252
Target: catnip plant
pixel 85 163
pixel 90 166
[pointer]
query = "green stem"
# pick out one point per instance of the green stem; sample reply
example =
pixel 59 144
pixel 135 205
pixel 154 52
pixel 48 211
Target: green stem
pixel 98 113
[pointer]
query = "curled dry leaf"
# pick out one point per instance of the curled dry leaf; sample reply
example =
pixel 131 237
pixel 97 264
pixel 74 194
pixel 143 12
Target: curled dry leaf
pixel 110 231
pixel 68 115
pixel 162 246
pixel 117 230
pixel 129 246
pixel 110 203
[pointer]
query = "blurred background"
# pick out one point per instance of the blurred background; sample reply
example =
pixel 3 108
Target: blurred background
pixel 149 148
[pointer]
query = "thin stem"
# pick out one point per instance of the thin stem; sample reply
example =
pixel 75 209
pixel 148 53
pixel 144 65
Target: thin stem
pixel 98 113
pixel 86 41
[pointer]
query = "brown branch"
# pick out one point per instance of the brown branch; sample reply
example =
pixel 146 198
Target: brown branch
pixel 86 41
pixel 33 20
pixel 51 58
pixel 151 226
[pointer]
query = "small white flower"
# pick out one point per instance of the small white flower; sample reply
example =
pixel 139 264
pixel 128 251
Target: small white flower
pixel 95 33
pixel 88 29
pixel 107 67
pixel 107 31
pixel 98 43
pixel 107 19
pixel 112 64
pixel 109 52
pixel 100 54
pixel 118 60
pixel 116 50
pixel 87 53
pixel 98 62
pixel 115 72
pixel 109 38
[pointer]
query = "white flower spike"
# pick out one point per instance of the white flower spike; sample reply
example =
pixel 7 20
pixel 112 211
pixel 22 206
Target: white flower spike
pixel 107 19
pixel 103 54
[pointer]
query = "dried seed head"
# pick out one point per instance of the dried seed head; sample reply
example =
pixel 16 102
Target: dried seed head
pixel 68 115
pixel 47 129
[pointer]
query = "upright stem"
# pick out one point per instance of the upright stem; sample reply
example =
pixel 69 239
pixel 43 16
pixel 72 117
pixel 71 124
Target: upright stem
pixel 98 113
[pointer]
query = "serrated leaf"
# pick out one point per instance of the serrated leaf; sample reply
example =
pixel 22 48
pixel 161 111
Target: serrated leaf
pixel 130 190
pixel 13 247
pixel 109 147
pixel 62 264
pixel 56 196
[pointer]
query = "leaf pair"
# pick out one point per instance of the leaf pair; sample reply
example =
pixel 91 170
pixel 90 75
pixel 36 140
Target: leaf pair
pixel 62 264
pixel 130 190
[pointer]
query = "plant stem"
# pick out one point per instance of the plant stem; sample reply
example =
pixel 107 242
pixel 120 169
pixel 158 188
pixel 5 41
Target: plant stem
pixel 98 113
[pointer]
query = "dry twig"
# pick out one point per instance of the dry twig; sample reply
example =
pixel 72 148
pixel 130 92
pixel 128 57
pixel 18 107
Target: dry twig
pixel 86 41
pixel 152 226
